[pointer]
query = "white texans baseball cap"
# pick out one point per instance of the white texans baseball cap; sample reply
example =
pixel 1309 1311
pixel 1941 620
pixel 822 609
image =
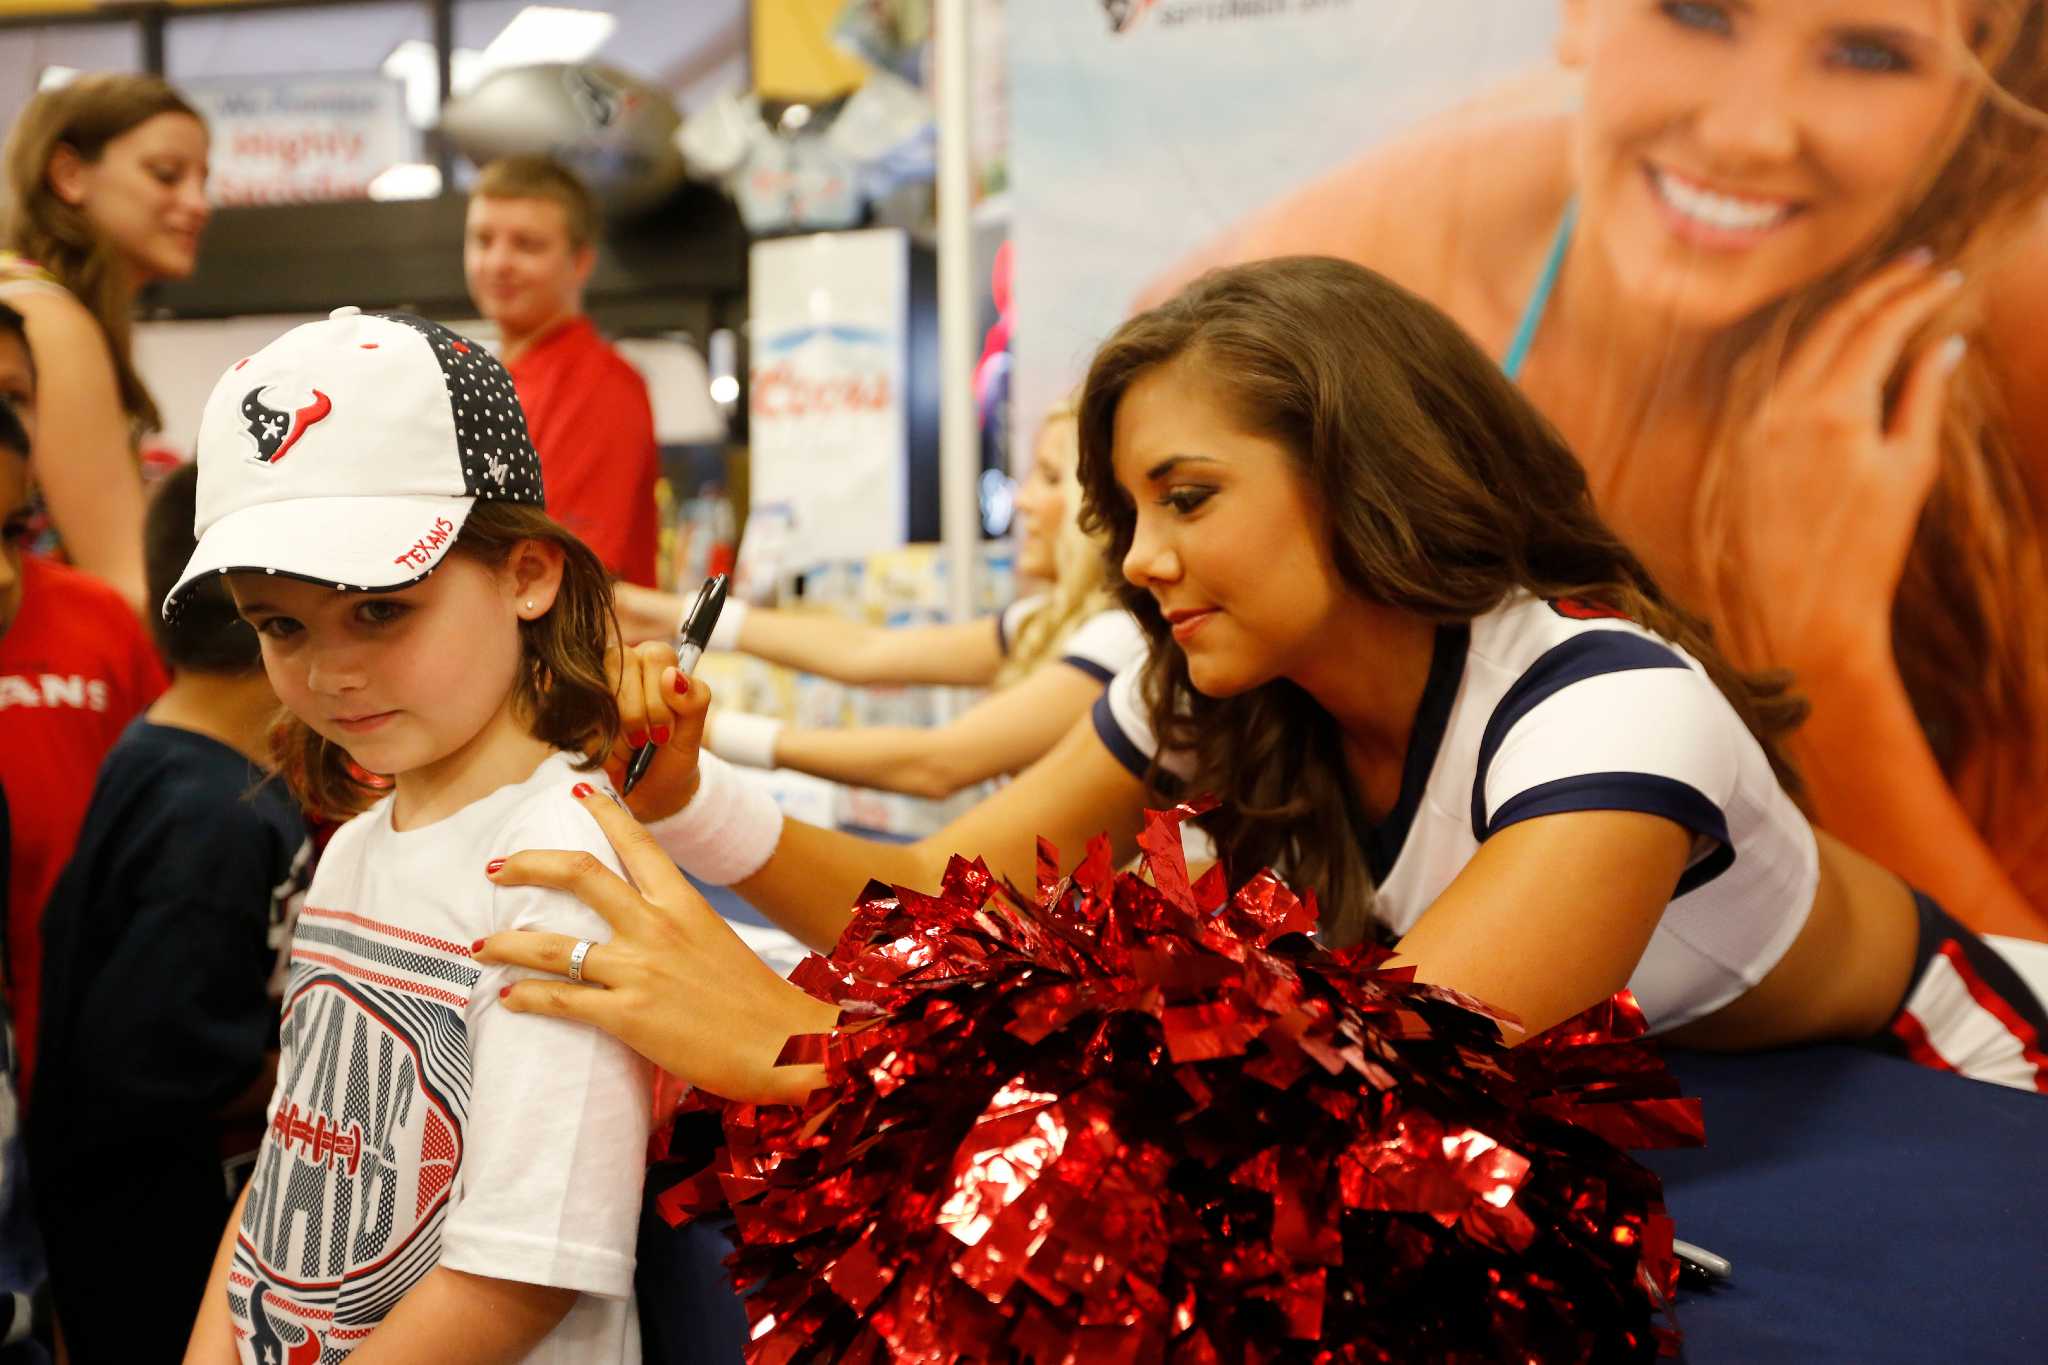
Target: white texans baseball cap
pixel 348 452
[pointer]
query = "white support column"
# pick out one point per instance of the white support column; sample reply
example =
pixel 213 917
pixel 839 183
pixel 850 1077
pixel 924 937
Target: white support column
pixel 959 441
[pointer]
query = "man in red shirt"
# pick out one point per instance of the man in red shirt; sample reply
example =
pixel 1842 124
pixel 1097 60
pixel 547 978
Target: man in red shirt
pixel 527 252
pixel 75 667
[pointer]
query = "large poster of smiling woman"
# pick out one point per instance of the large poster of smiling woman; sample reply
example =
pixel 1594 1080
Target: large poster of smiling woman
pixel 1778 270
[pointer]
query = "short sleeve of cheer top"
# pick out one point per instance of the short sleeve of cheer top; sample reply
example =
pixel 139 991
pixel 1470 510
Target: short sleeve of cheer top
pixel 416 1121
pixel 1538 708
pixel 1101 646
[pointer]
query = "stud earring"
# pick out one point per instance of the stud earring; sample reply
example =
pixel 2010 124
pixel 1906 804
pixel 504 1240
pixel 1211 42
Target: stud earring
pixel 529 604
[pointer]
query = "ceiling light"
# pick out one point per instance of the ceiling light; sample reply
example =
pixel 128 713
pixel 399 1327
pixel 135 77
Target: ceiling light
pixel 406 180
pixel 549 33
pixel 411 64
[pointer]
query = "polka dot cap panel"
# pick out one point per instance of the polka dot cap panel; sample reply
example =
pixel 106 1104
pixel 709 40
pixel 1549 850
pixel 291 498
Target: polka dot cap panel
pixel 498 460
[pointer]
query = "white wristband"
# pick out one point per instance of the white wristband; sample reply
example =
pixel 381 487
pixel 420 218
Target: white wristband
pixel 726 634
pixel 742 738
pixel 727 832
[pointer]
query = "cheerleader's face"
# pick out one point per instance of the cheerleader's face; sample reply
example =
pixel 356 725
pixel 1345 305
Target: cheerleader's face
pixel 1229 540
pixel 1042 501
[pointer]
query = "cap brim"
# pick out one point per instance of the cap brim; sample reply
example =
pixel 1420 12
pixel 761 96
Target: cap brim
pixel 349 544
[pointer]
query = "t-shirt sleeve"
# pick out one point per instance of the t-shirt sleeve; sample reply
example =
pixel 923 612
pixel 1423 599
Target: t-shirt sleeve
pixel 1011 620
pixel 1122 719
pixel 559 1112
pixel 1613 721
pixel 1105 644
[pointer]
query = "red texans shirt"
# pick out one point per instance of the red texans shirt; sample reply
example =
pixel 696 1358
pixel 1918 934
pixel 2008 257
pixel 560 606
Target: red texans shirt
pixel 587 411
pixel 75 667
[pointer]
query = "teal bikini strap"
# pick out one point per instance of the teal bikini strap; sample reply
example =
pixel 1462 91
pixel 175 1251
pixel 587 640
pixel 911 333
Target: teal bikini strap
pixel 1539 299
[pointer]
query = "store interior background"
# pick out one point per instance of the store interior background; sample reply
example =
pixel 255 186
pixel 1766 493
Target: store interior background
pixel 671 286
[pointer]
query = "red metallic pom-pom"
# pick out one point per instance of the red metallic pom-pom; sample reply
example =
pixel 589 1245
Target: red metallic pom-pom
pixel 1149 1121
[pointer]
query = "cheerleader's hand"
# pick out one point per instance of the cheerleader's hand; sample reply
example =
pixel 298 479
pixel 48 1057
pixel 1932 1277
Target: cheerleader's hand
pixel 1827 486
pixel 657 705
pixel 673 982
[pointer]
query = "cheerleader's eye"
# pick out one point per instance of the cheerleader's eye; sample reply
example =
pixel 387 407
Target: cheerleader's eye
pixel 276 627
pixel 381 611
pixel 1186 499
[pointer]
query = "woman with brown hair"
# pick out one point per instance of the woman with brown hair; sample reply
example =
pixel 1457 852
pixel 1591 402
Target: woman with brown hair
pixel 1776 270
pixel 106 178
pixel 1392 634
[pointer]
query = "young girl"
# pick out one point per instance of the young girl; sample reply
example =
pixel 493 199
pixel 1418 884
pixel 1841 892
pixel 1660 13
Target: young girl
pixel 441 1179
pixel 1047 657
pixel 107 182
pixel 1390 632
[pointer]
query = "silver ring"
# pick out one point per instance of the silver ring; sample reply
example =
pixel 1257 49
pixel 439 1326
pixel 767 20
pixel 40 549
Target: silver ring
pixel 576 956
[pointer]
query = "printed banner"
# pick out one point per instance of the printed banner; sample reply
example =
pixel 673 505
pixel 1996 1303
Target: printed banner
pixel 830 438
pixel 299 141
pixel 1775 269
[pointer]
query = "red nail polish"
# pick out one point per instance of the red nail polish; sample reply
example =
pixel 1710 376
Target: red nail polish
pixel 476 947
pixel 581 790
pixel 636 739
pixel 661 733
pixel 491 867
pixel 504 991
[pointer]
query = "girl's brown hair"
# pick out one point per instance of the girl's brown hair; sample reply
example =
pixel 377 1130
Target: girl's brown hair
pixel 563 694
pixel 1443 491
pixel 85 116
pixel 1969 629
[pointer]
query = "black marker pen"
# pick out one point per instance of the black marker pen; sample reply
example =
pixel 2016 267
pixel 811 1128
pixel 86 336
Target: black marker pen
pixel 691 637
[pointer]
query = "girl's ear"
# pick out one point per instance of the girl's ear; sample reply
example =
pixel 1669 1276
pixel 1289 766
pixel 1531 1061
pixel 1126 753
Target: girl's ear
pixel 533 572
pixel 1571 33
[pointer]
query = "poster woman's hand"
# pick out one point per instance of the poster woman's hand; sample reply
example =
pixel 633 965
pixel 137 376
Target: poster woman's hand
pixel 674 983
pixel 1829 479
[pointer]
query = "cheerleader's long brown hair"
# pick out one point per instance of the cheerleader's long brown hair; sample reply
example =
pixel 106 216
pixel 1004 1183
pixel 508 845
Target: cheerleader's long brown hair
pixel 1442 490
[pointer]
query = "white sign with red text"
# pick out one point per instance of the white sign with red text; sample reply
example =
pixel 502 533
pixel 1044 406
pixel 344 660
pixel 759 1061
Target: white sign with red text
pixel 829 431
pixel 304 140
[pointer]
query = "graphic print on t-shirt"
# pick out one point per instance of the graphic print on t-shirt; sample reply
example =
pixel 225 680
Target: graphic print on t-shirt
pixel 353 1181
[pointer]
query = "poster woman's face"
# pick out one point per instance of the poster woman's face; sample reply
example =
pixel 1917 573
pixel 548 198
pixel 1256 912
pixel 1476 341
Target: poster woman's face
pixel 1730 152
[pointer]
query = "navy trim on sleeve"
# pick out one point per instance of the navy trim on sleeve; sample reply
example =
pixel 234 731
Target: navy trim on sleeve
pixel 1115 740
pixel 1649 793
pixel 1591 655
pixel 1101 672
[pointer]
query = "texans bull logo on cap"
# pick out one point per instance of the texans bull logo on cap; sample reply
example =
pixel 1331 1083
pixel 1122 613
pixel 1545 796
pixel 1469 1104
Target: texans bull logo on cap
pixel 276 430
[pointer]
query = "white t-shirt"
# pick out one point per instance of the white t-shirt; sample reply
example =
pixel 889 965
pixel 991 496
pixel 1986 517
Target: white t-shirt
pixel 1538 708
pixel 416 1121
pixel 1102 646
